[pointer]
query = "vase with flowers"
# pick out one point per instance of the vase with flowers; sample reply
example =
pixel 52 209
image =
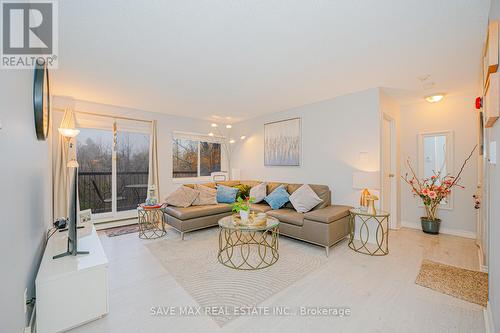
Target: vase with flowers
pixel 242 207
pixel 433 191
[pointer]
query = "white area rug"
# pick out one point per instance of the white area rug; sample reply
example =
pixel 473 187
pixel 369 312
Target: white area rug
pixel 193 263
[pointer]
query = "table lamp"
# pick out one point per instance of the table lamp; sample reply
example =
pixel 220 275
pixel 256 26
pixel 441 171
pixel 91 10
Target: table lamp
pixel 364 180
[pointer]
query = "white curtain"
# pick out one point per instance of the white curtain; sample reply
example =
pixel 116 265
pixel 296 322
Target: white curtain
pixel 153 177
pixel 65 152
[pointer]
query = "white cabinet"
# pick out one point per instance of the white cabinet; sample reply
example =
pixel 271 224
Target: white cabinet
pixel 490 76
pixel 492 100
pixel 72 290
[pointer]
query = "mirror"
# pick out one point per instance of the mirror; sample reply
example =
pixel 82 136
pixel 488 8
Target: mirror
pixel 436 156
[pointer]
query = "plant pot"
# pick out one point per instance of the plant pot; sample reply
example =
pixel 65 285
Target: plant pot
pixel 430 226
pixel 244 215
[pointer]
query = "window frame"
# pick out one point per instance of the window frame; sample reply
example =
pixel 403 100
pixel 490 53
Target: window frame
pixel 199 138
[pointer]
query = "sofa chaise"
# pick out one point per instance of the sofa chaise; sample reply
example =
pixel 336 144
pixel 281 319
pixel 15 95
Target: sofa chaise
pixel 324 225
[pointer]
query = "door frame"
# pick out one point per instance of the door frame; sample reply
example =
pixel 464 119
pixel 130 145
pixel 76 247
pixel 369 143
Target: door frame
pixel 394 222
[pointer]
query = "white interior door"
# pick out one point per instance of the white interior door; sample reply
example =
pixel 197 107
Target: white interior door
pixel 389 165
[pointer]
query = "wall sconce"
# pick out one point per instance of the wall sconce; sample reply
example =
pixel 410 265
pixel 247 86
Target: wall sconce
pixel 67 128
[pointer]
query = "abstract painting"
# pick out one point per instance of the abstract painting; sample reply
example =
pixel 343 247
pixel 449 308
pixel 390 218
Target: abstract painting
pixel 282 140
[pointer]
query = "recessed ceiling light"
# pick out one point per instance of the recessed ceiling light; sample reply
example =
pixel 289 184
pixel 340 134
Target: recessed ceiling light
pixel 210 134
pixel 229 126
pixel 214 125
pixel 232 141
pixel 434 98
pixel 243 137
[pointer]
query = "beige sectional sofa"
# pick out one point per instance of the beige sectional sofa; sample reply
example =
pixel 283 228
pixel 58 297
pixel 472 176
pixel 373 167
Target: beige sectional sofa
pixel 324 225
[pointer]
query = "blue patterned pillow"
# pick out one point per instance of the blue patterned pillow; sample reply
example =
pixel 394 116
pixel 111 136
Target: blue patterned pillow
pixel 226 194
pixel 278 198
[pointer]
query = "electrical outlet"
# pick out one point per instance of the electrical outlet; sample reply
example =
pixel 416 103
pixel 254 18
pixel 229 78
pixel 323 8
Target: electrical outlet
pixel 25 300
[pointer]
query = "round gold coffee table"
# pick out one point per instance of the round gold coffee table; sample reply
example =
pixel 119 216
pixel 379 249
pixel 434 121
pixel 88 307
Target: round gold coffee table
pixel 247 247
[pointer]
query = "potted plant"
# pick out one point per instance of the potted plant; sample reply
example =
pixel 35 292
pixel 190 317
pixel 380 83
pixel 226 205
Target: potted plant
pixel 242 207
pixel 432 191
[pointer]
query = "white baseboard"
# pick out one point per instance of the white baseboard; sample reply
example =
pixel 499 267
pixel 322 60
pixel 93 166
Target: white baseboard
pixel 482 266
pixel 447 231
pixel 488 319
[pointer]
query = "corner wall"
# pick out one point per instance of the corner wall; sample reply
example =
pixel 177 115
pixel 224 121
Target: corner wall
pixel 334 132
pixel 456 113
pixel 25 197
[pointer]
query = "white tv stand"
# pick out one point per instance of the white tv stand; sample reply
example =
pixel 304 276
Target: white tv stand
pixel 72 290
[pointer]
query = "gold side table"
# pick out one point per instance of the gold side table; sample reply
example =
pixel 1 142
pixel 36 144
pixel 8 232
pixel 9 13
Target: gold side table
pixel 151 223
pixel 380 220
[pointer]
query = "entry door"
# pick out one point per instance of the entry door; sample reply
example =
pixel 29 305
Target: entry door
pixel 389 165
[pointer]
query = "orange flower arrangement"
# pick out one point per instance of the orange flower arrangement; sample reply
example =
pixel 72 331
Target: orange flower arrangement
pixel 435 189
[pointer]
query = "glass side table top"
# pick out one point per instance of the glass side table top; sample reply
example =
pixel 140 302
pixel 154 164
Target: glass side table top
pixel 359 211
pixel 229 222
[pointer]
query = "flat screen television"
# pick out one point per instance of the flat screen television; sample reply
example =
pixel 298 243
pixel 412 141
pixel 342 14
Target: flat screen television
pixel 72 249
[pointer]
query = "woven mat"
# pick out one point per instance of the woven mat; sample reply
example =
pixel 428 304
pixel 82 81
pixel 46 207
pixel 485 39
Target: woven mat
pixel 471 286
pixel 118 231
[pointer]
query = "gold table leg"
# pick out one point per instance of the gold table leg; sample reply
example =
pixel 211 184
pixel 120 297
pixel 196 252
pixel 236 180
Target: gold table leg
pixel 381 235
pixel 248 250
pixel 151 223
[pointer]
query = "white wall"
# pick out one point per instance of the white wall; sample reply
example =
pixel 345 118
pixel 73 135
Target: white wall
pixel 25 197
pixel 456 113
pixel 334 132
pixel 166 125
pixel 493 134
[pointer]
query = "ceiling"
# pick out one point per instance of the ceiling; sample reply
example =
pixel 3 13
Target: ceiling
pixel 237 59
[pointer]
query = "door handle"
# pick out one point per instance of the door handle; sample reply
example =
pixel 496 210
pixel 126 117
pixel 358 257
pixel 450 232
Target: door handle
pixel 391 175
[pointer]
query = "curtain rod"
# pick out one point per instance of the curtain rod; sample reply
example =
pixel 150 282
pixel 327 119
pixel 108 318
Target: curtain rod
pixel 105 115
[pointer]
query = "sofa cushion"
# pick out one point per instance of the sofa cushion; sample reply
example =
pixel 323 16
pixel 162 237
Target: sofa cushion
pixel 258 192
pixel 206 196
pixel 288 215
pixel 226 194
pixel 182 197
pixel 323 192
pixel 328 214
pixel 186 213
pixel 260 208
pixel 277 198
pixel 304 199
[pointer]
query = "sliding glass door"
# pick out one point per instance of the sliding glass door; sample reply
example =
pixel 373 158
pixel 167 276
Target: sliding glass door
pixel 113 171
pixel 132 164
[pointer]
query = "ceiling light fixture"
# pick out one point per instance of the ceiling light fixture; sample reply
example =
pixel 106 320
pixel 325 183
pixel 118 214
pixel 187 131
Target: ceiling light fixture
pixel 214 125
pixel 210 134
pixel 434 98
pixel 243 137
pixel 232 141
pixel 229 126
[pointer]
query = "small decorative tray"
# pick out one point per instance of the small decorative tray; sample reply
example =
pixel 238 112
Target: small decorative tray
pixel 252 221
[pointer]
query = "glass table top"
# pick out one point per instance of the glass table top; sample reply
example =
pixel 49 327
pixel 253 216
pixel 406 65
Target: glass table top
pixel 230 222
pixel 359 211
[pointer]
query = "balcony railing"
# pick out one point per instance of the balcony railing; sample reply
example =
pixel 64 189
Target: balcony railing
pixel 95 188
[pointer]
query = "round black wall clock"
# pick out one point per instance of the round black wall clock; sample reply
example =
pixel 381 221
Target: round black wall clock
pixel 41 101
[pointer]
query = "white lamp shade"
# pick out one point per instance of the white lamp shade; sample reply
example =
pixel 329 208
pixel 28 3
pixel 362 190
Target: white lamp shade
pixel 67 127
pixel 366 179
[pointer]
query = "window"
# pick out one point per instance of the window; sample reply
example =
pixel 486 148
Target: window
pixel 192 157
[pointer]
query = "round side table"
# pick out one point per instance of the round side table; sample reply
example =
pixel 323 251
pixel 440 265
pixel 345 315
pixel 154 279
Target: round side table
pixel 151 223
pixel 380 223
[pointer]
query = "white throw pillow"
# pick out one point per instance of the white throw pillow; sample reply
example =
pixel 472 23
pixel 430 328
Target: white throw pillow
pixel 304 199
pixel 206 196
pixel 258 192
pixel 182 197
